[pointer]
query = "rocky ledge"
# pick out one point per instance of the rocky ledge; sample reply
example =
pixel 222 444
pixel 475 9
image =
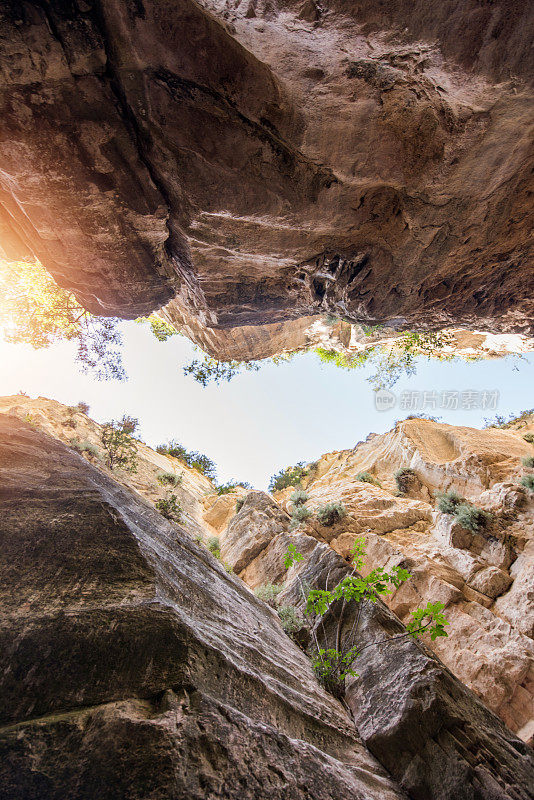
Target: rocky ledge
pixel 256 162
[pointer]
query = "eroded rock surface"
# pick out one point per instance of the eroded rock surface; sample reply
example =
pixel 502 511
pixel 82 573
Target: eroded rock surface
pixel 259 162
pixel 434 735
pixel 484 579
pixel 134 666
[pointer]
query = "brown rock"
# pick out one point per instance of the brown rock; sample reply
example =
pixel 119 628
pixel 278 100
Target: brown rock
pixel 150 156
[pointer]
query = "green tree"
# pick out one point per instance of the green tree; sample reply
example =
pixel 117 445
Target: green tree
pixel 35 310
pixel 209 370
pixel 119 447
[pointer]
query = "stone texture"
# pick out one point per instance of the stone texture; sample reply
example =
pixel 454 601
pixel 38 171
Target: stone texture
pixel 259 520
pixel 258 163
pixel 136 667
pixel 434 735
pixel 484 579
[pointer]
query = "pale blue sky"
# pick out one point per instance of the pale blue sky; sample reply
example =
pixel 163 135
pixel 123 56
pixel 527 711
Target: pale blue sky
pixel 261 421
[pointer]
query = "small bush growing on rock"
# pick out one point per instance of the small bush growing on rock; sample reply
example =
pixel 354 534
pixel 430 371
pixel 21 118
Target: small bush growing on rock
pixel 84 447
pixel 268 592
pixel 197 461
pixel 169 479
pixel 290 619
pixel 214 546
pixel 227 488
pixel 403 479
pixel 82 407
pixel 291 476
pixel 331 513
pixel 528 482
pixel 528 462
pixel 119 447
pixel 449 501
pixel 239 504
pixel 300 514
pixel 529 437
pixel 366 477
pixel 170 508
pixel 299 497
pixel 471 517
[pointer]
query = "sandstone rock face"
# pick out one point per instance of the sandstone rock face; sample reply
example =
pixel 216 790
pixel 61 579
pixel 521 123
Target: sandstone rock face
pixel 263 162
pixel 484 579
pixel 133 666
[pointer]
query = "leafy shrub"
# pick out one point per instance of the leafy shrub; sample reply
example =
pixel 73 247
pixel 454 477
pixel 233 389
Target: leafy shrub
pixel 197 461
pixel 403 479
pixel 129 424
pixel 528 482
pixel 291 476
pixel 85 447
pixel 226 488
pixel 366 477
pixel 331 319
pixel 170 508
pixel 289 617
pixel 169 478
pixel 529 437
pixel 501 422
pixel 333 665
pixel 119 447
pixel 82 407
pixel 471 517
pixel 239 504
pixel 228 568
pixel 449 501
pixel 301 513
pixel 528 462
pixel 331 513
pixel 268 592
pixel 299 497
pixel 214 546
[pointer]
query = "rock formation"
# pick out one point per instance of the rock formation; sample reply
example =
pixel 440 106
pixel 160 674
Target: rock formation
pixel 124 642
pixel 134 666
pixel 257 162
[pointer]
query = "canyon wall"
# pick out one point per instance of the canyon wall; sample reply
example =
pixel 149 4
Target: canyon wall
pixel 135 666
pixel 252 163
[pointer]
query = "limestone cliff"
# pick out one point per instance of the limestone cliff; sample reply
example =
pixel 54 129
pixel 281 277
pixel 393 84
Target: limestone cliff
pixel 133 666
pixel 256 162
pixel 485 579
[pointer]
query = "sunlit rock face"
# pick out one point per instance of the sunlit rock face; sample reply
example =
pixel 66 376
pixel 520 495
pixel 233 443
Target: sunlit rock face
pixel 256 163
pixel 484 579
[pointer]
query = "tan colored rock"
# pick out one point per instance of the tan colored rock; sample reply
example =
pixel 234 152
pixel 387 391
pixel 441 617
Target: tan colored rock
pixel 251 529
pixel 517 605
pixel 491 581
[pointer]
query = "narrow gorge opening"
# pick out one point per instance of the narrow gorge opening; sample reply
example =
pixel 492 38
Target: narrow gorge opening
pixel 266 424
